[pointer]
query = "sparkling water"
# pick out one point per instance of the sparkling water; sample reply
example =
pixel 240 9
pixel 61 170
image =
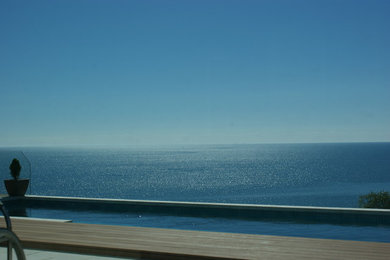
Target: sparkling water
pixel 283 174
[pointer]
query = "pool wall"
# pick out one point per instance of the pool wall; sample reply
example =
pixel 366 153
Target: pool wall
pixel 297 214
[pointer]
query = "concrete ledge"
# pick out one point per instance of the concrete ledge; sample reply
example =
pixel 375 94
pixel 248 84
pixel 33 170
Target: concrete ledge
pixel 39 219
pixel 203 204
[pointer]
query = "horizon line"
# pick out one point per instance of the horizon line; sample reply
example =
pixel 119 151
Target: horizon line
pixel 178 144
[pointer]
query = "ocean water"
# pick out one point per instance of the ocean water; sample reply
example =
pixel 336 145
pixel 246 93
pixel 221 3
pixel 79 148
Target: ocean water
pixel 282 174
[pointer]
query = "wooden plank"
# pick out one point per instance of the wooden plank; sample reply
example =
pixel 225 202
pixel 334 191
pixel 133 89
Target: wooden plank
pixel 154 243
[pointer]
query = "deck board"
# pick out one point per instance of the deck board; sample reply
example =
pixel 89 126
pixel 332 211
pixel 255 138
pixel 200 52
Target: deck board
pixel 155 243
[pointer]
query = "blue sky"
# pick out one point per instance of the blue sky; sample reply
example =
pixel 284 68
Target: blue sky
pixel 93 72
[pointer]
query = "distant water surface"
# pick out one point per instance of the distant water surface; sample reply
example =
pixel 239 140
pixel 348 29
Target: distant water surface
pixel 284 174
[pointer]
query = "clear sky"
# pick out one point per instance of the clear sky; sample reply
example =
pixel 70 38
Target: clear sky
pixel 116 72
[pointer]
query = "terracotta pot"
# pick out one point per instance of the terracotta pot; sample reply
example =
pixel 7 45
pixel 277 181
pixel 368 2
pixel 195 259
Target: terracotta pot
pixel 16 187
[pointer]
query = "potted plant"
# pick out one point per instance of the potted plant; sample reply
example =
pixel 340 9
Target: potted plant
pixel 16 186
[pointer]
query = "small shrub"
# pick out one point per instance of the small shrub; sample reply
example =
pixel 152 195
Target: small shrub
pixel 380 200
pixel 15 168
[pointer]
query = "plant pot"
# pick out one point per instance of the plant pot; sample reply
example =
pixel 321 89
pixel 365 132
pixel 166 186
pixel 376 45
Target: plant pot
pixel 16 187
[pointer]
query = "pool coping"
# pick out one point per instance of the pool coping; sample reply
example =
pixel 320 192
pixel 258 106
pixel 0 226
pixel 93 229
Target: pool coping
pixel 237 206
pixel 39 219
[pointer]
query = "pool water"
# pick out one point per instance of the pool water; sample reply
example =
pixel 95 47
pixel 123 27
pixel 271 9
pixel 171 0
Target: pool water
pixel 380 233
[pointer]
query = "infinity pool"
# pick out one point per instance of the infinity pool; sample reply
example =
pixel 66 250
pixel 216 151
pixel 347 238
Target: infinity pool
pixel 208 219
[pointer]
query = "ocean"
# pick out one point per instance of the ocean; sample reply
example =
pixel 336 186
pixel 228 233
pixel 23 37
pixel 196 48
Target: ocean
pixel 333 174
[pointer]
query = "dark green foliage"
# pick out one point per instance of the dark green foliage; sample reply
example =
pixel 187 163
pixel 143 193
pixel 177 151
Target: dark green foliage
pixel 15 168
pixel 380 200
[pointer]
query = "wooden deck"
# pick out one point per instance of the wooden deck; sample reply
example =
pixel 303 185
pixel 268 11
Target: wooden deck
pixel 153 243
